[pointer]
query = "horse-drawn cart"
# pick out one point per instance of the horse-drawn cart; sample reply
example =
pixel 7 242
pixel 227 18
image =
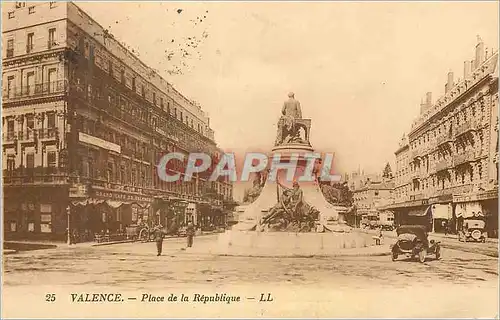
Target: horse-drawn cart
pixel 140 232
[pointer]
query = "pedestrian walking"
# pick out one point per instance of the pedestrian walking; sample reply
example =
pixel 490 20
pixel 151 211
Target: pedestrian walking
pixel 158 233
pixel 190 234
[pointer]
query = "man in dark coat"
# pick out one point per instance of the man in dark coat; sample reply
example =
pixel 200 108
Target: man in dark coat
pixel 158 233
pixel 190 234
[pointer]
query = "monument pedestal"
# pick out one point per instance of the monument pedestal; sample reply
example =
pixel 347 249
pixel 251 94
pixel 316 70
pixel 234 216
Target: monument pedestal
pixel 285 244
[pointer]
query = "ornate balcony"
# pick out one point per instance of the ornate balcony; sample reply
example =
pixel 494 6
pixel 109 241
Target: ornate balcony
pixel 26 135
pixel 465 127
pixel 444 164
pixel 35 176
pixel 9 137
pixel 49 133
pixel 462 158
pixel 440 140
pixel 415 175
pixel 34 91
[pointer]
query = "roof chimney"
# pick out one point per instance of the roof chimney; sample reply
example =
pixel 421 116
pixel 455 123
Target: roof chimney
pixel 423 106
pixel 449 83
pixel 428 99
pixel 466 69
pixel 479 52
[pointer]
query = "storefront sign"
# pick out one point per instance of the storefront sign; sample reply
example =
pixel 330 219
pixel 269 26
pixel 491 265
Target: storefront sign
pixel 121 196
pixel 78 191
pixel 491 194
pixel 98 142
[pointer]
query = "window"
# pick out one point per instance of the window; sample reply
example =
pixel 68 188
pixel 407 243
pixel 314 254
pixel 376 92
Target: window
pixel 122 76
pixel 51 159
pixel 11 163
pixel 46 223
pixel 30 82
pixel 10 48
pixel 161 103
pixel 154 98
pixel 51 120
pixel 30 125
pixel 133 84
pixel 30 160
pixel 29 42
pixel 10 87
pixel 51 78
pixel 110 68
pixel 11 15
pixel 31 10
pixel 143 91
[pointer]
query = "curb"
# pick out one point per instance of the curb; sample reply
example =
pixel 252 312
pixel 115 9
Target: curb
pixel 9 251
pixel 111 242
pixel 331 255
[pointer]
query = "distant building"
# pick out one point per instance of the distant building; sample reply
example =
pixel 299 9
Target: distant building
pixel 373 195
pixel 451 157
pixel 85 123
pixel 401 175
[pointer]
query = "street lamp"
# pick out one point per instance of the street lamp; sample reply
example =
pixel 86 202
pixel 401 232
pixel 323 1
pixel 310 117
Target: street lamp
pixel 68 212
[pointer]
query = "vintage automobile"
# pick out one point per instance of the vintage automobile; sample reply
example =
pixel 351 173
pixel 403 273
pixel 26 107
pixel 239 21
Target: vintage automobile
pixel 413 241
pixel 473 229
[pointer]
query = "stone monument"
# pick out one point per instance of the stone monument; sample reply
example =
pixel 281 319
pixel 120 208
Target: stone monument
pixel 284 210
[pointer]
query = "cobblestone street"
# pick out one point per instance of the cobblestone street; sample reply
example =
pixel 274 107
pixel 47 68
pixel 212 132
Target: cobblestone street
pixel 459 277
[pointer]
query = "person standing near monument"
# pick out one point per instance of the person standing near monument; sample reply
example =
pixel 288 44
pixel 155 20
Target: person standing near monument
pixel 158 233
pixel 190 234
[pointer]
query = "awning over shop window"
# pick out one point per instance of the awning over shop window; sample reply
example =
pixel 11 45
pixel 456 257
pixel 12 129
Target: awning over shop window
pixel 419 212
pixel 469 209
pixel 90 201
pixel 441 211
pixel 114 204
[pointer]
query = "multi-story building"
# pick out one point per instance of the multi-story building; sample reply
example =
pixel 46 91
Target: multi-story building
pixel 85 123
pixel 373 195
pixel 452 150
pixel 401 175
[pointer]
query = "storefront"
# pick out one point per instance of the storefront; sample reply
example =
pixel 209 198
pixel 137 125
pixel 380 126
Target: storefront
pixel 442 216
pixel 483 205
pixel 35 213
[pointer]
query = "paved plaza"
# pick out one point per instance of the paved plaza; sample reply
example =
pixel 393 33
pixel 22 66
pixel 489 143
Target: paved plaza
pixel 461 283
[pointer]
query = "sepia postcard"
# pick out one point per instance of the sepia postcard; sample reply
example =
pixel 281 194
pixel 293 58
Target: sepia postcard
pixel 250 159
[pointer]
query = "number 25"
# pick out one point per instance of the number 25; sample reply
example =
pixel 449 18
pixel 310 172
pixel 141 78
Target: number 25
pixel 50 297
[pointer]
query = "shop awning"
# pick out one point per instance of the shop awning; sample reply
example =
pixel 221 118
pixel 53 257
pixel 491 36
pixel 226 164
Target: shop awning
pixel 419 212
pixel 114 204
pixel 469 209
pixel 441 211
pixel 143 206
pixel 90 201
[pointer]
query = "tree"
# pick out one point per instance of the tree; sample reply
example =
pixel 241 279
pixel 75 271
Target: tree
pixel 387 173
pixel 337 193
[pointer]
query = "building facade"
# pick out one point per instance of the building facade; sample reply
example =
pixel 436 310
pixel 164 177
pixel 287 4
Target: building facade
pixel 373 195
pixel 402 172
pixel 85 123
pixel 450 162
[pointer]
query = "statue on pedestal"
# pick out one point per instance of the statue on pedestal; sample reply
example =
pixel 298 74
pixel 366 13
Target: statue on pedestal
pixel 291 213
pixel 289 124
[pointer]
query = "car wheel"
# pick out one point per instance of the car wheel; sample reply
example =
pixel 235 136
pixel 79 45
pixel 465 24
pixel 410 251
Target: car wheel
pixel 422 255
pixel 394 256
pixel 438 253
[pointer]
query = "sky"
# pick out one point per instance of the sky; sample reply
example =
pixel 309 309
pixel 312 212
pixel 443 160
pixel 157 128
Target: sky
pixel 359 69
